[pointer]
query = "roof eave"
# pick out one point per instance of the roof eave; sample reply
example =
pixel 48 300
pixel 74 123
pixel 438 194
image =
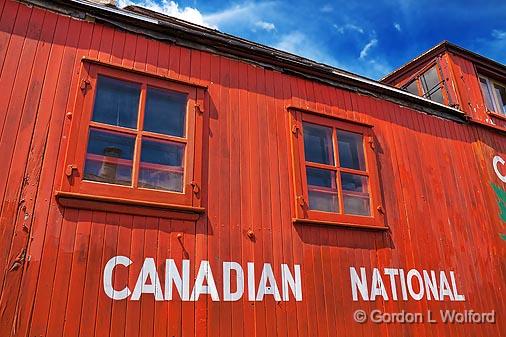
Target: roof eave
pixel 193 36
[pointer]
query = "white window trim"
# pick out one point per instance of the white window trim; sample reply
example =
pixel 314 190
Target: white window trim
pixel 495 100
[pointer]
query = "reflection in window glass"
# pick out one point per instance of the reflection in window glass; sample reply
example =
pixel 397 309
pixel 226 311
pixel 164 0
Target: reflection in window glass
pixel 161 165
pixel 412 88
pixel 355 194
pixel 318 144
pixel 116 102
pixel 431 85
pixel 109 157
pixel 165 112
pixel 500 92
pixel 322 190
pixel 486 94
pixel 351 150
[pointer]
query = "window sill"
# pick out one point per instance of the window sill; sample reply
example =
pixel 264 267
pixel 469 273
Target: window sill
pixel 126 206
pixel 339 224
pixel 497 115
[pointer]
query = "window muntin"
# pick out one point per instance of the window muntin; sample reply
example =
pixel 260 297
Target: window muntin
pixel 494 95
pixel 432 85
pixel 500 94
pixel 429 84
pixel 141 174
pixel 487 94
pixel 335 172
pixel 161 165
pixel 340 184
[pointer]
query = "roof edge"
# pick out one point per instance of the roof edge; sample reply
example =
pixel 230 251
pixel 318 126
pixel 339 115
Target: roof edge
pixel 162 27
pixel 445 45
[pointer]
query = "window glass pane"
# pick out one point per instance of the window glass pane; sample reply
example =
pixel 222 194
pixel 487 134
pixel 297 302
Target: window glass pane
pixel 412 88
pixel 322 190
pixel 431 85
pixel 109 157
pixel 318 144
pixel 351 150
pixel 436 95
pixel 116 102
pixel 486 94
pixel 500 92
pixel 165 112
pixel 355 194
pixel 430 80
pixel 161 166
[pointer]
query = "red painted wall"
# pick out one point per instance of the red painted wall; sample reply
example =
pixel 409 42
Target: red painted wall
pixel 435 177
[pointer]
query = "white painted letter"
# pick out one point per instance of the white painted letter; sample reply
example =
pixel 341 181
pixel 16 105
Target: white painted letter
pixel 199 287
pixel 391 272
pixel 108 288
pixel 148 271
pixel 458 297
pixel 267 276
pixel 444 287
pixel 403 285
pixel 430 284
pixel 251 281
pixel 409 277
pixel 172 276
pixel 359 283
pixel 239 281
pixel 289 281
pixel 377 286
pixel 495 161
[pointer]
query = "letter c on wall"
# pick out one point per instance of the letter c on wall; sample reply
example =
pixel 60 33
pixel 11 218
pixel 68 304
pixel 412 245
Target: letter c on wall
pixel 495 164
pixel 108 269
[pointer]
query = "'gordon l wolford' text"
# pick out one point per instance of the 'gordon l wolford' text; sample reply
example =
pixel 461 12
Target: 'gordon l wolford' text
pixel 234 278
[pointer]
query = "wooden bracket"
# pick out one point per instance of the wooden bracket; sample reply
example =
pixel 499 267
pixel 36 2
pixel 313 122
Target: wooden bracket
pixel 195 187
pixel 85 84
pixel 69 171
pixel 301 201
pixel 295 129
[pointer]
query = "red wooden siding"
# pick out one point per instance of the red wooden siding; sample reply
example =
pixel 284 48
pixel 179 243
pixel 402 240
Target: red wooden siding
pixel 435 177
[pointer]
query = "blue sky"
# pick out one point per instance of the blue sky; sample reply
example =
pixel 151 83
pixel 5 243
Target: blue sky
pixel 370 38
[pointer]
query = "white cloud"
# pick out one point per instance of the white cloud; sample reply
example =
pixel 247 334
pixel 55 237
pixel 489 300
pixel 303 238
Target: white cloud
pixel 349 27
pixel 171 8
pixel 298 43
pixel 268 26
pixel 367 47
pixel 327 8
pixel 245 14
pixel 397 26
pixel 499 34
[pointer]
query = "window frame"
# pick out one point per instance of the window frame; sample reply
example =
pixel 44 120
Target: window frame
pixel 303 213
pixel 73 178
pixel 490 82
pixel 417 78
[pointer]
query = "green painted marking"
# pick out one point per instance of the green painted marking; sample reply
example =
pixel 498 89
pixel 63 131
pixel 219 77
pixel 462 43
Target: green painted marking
pixel 501 201
pixel 503 236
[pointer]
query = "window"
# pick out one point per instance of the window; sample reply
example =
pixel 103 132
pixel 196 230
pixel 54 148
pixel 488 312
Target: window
pixel 494 95
pixel 429 84
pixel 335 171
pixel 135 137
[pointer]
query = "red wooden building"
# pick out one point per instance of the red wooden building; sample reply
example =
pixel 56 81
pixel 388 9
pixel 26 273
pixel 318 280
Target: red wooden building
pixel 164 179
